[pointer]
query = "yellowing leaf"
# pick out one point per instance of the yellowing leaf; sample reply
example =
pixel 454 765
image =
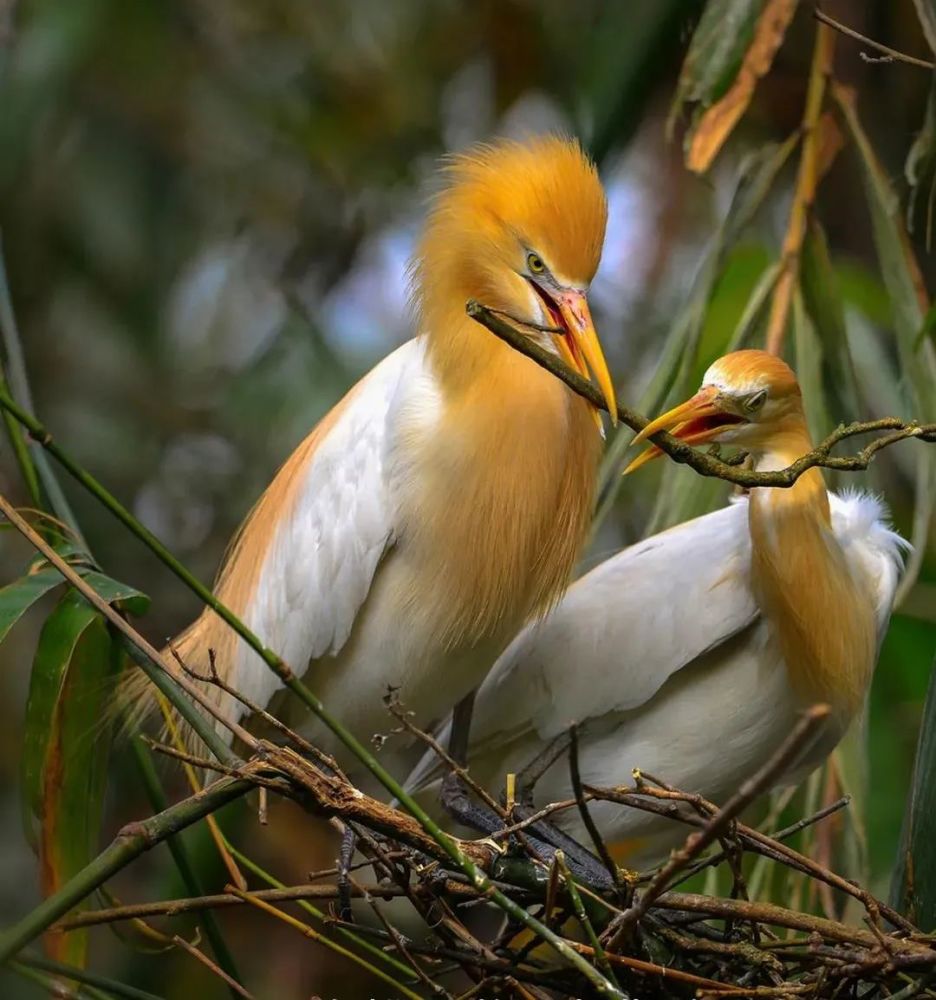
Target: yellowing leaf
pixel 718 122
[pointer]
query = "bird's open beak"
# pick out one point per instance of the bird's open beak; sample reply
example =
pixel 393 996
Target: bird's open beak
pixel 579 346
pixel 696 421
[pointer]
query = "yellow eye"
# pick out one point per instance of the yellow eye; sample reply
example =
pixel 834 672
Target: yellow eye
pixel 535 263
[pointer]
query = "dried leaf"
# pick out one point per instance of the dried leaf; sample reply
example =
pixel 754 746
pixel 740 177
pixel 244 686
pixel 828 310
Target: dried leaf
pixel 717 123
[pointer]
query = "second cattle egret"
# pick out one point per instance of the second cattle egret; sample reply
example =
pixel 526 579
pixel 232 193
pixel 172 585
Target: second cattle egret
pixel 691 654
pixel 444 500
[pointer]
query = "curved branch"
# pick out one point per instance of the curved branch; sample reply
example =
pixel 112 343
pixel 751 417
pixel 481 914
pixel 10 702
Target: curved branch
pixel 705 464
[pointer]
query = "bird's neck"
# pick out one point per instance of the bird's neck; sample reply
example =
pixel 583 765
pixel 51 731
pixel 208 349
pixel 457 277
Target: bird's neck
pixel 506 481
pixel 822 617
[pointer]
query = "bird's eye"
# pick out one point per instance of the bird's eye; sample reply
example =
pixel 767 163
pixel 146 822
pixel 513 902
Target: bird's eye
pixel 755 401
pixel 535 263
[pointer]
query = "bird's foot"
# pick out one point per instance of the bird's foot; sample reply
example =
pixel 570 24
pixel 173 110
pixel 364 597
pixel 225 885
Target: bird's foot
pixel 345 854
pixel 463 809
pixel 582 863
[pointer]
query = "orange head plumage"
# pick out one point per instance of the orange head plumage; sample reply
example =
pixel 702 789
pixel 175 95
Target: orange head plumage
pixel 750 398
pixel 519 227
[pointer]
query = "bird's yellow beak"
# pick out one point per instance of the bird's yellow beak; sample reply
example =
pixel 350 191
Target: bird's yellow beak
pixel 579 345
pixel 696 421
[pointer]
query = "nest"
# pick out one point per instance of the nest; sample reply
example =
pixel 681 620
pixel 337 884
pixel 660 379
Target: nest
pixel 571 923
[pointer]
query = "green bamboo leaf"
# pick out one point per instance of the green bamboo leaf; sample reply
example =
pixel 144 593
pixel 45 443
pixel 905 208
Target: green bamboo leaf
pixel 114 592
pixel 18 597
pixel 73 553
pixel 716 52
pixel 913 887
pixel 909 306
pixel 57 695
pixel 65 744
pixel 825 308
pixel 756 178
pixel 899 269
pixel 49 677
pixel 920 165
pixel 755 309
pixel 57 641
pixel 808 365
pixel 928 329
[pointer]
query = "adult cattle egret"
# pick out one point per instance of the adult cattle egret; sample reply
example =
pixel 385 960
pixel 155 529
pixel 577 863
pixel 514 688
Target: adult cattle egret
pixel 692 653
pixel 444 500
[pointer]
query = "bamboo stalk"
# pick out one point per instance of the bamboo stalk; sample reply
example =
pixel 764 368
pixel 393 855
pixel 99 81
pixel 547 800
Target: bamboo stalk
pixel 804 194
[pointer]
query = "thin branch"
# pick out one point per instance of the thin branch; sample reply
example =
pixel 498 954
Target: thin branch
pixel 350 934
pixel 784 834
pixel 600 846
pixel 314 935
pixel 791 748
pixel 779 916
pixel 843 29
pixel 684 454
pixel 462 773
pixel 398 939
pixel 582 916
pixel 200 956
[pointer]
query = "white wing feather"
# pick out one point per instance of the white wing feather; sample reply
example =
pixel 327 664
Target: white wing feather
pixel 632 622
pixel 629 625
pixel 342 522
pixel 618 633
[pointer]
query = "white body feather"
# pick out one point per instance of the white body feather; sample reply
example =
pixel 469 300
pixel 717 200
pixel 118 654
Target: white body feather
pixel 660 654
pixel 333 596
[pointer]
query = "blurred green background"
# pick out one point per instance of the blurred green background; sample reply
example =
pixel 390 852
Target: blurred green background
pixel 206 208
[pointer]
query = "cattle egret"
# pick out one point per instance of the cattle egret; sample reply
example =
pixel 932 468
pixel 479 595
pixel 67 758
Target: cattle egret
pixel 691 654
pixel 444 500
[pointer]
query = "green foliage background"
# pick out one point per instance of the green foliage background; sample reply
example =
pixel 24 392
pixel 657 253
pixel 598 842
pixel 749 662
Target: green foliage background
pixel 206 207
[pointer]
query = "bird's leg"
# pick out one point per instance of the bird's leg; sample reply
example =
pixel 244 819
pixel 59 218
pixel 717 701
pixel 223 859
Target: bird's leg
pixel 542 837
pixel 463 809
pixel 581 861
pixel 578 856
pixel 345 854
pixel 461 729
pixel 538 766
